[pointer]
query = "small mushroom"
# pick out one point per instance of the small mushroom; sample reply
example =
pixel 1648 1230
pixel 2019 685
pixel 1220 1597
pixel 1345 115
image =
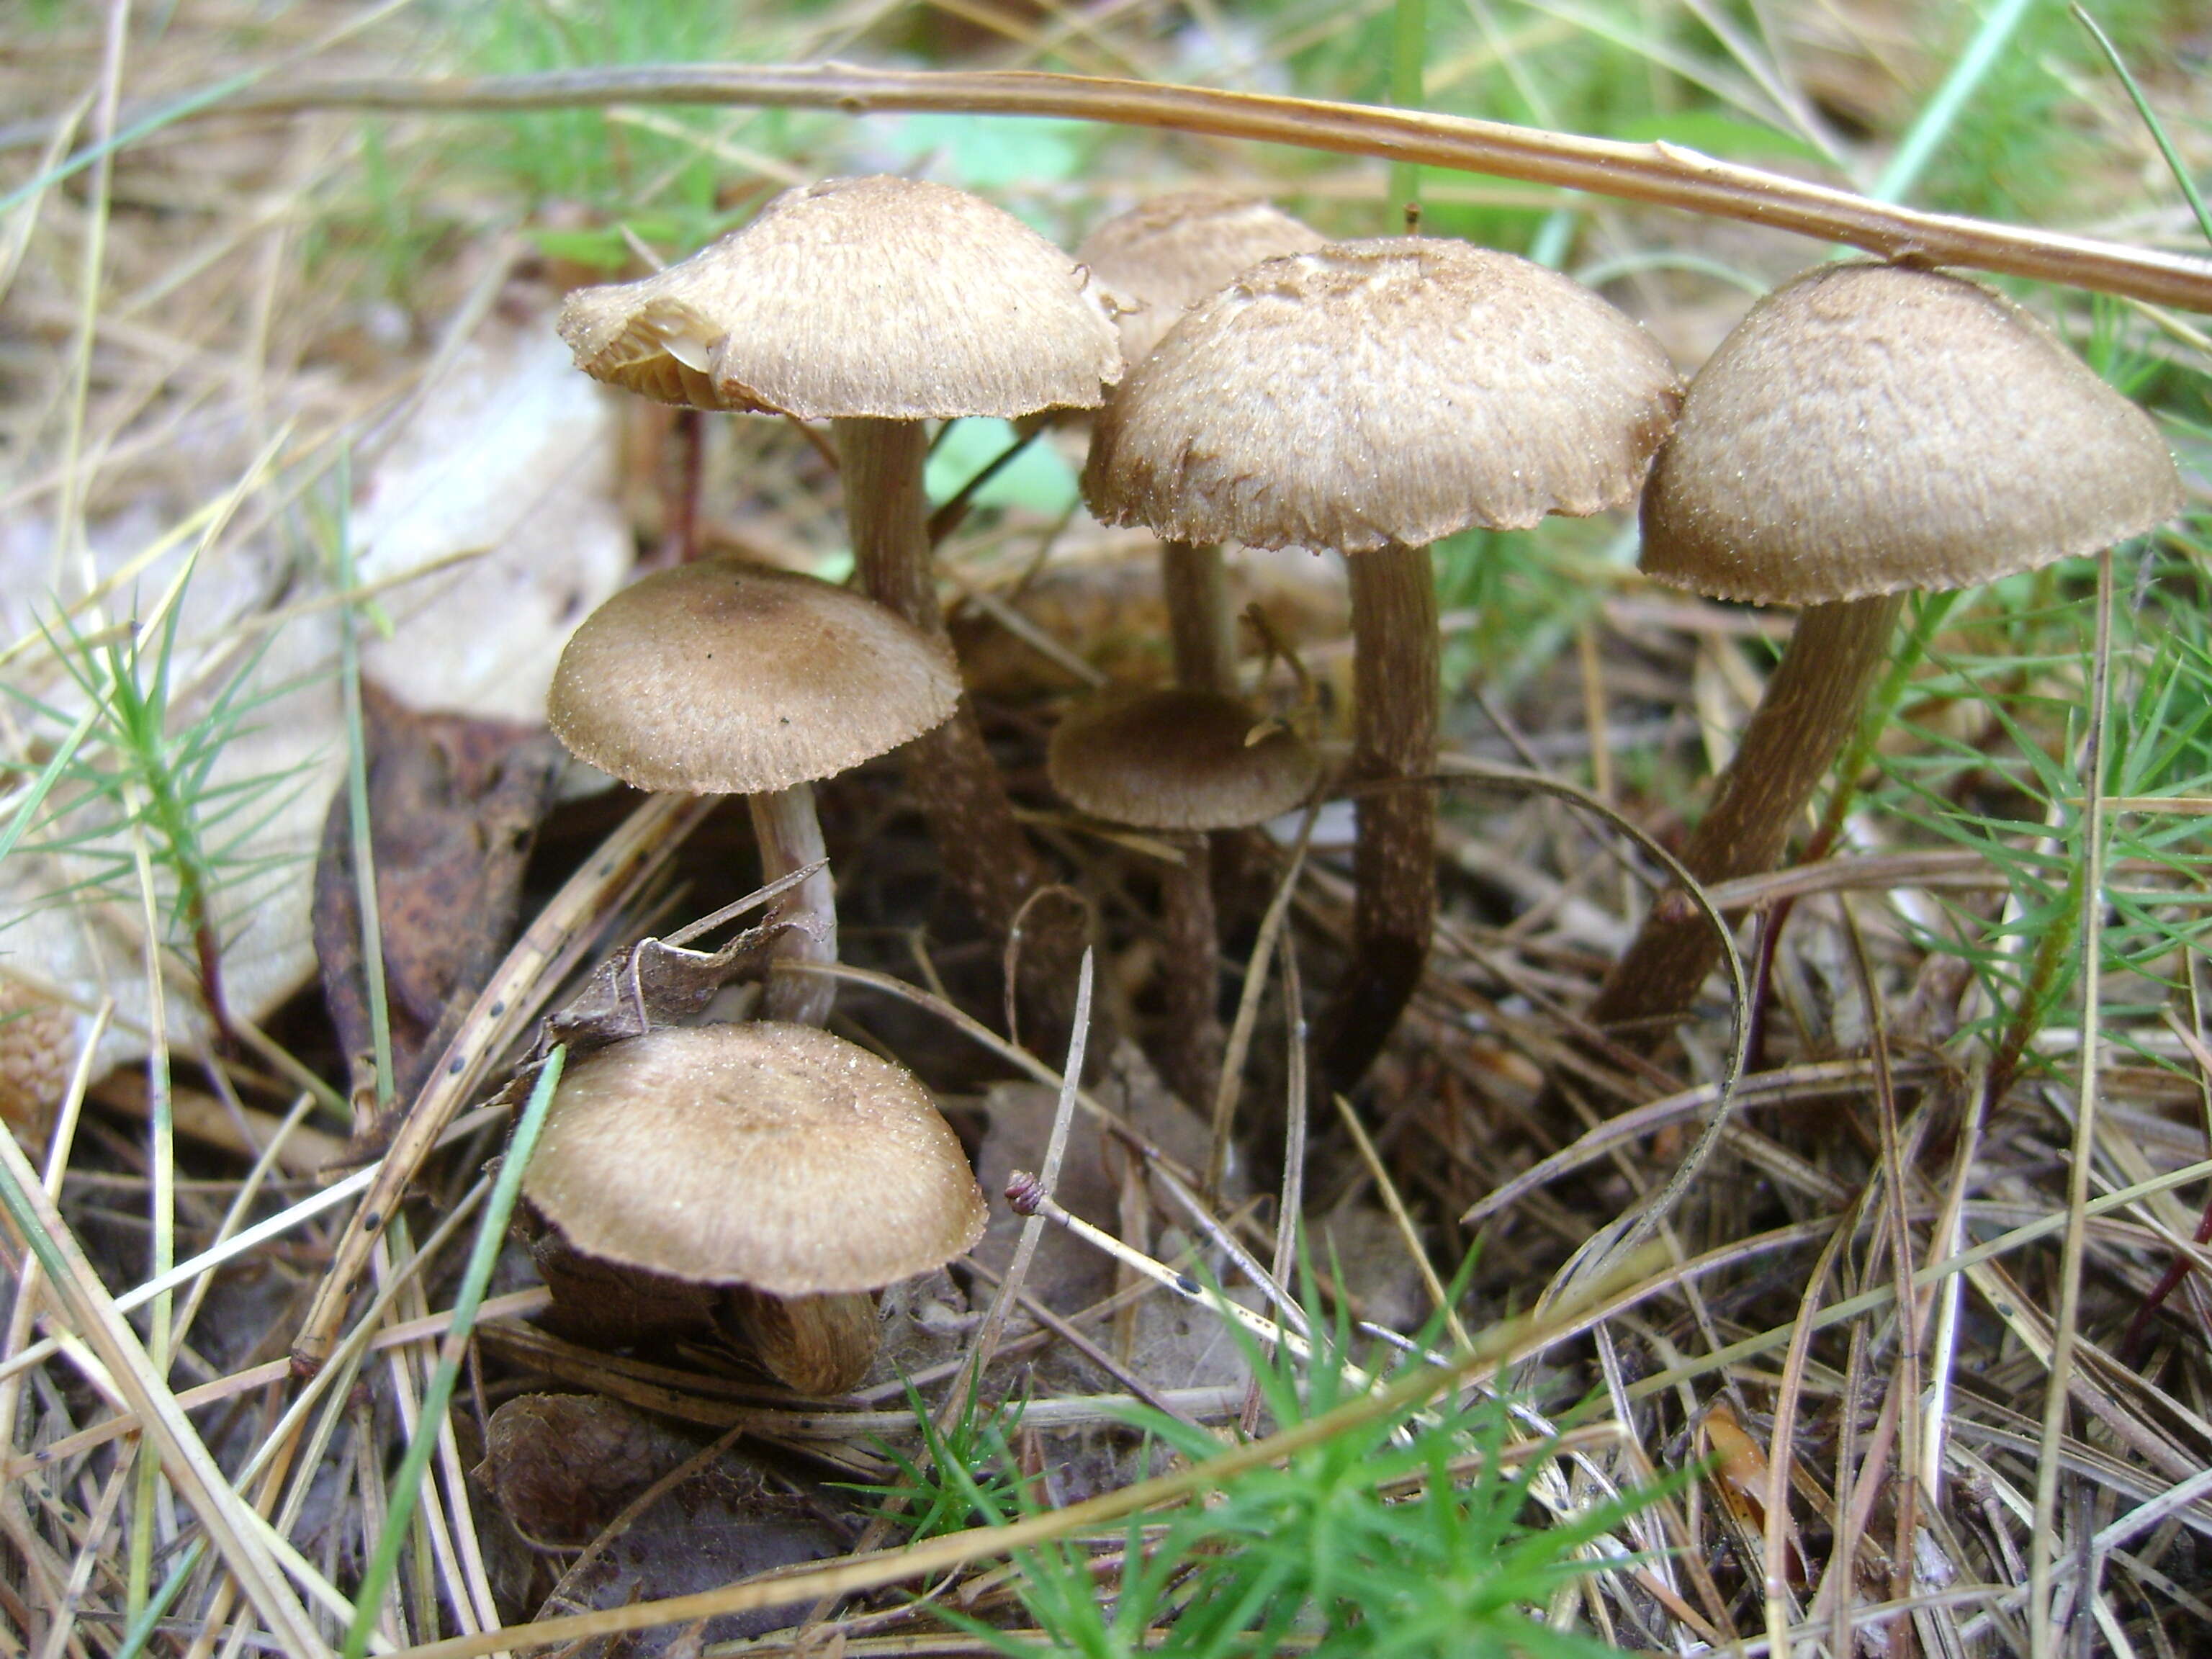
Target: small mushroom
pixel 1867 430
pixel 878 304
pixel 721 677
pixel 1181 762
pixel 1154 263
pixel 1373 397
pixel 797 1170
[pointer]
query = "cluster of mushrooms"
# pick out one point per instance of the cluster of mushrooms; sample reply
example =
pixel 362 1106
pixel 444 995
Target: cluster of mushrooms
pixel 1868 429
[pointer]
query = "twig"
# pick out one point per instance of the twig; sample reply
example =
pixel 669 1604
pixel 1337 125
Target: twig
pixel 1660 173
pixel 1290 1209
pixel 1063 1117
pixel 1439 1296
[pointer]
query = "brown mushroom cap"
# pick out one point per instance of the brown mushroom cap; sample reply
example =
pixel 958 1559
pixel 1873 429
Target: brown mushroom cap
pixel 721 677
pixel 1166 254
pixel 1868 429
pixel 1177 760
pixel 1382 393
pixel 768 1155
pixel 878 296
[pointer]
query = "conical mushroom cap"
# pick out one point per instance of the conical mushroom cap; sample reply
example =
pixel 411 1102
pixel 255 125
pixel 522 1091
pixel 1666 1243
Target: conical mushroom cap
pixel 721 677
pixel 1165 255
pixel 1868 429
pixel 1177 760
pixel 875 296
pixel 764 1154
pixel 1382 393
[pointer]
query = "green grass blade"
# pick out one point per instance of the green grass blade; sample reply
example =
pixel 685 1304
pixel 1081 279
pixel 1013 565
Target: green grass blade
pixel 2189 190
pixel 414 1468
pixel 1933 125
pixel 157 1605
pixel 1409 53
pixel 191 104
pixel 28 808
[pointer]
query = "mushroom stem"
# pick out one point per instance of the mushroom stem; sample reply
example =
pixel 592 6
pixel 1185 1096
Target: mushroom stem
pixel 1189 975
pixel 949 769
pixel 1396 675
pixel 790 837
pixel 1194 583
pixel 1812 705
pixel 817 1346
pixel 1202 634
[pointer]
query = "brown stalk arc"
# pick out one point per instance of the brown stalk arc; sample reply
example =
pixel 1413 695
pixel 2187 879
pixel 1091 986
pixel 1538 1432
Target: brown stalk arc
pixel 1661 173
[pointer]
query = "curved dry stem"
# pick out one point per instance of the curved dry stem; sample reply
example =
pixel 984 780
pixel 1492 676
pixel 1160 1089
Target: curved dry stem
pixel 1662 174
pixel 790 837
pixel 1396 688
pixel 1811 707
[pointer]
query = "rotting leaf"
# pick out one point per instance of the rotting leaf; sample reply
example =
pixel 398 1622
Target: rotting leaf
pixel 729 1521
pixel 454 805
pixel 658 981
pixel 561 1466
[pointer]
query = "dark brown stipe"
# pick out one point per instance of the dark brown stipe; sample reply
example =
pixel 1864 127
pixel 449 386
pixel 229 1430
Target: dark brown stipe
pixel 1397 686
pixel 955 784
pixel 1810 710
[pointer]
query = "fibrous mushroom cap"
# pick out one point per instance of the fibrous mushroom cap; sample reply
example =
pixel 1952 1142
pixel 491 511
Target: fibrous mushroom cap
pixel 721 677
pixel 1868 429
pixel 1178 760
pixel 764 1154
pixel 1382 393
pixel 878 296
pixel 1171 252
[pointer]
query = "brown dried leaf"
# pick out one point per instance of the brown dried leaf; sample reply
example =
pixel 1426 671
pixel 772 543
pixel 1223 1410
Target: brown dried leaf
pixel 454 805
pixel 561 1466
pixel 729 1521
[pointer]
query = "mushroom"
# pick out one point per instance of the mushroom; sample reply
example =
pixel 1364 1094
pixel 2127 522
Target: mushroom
pixel 1372 396
pixel 1182 762
pixel 1865 431
pixel 1154 263
pixel 797 1170
pixel 877 303
pixel 721 677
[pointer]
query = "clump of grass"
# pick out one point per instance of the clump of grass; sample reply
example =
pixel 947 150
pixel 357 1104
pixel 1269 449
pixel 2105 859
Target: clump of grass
pixel 2005 786
pixel 141 786
pixel 1406 1534
pixel 958 1477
